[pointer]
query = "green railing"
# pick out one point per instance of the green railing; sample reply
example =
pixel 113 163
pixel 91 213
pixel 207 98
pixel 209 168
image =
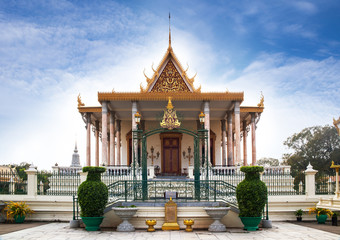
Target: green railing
pixel 208 190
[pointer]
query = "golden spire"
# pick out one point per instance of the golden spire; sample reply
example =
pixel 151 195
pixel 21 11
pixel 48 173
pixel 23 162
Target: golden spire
pixel 169 32
pixel 170 106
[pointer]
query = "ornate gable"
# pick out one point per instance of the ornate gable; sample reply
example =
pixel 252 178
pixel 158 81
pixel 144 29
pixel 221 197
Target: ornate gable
pixel 170 80
pixel 172 77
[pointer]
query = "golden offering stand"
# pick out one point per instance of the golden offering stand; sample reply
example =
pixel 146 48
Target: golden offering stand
pixel 151 223
pixel 170 222
pixel 188 223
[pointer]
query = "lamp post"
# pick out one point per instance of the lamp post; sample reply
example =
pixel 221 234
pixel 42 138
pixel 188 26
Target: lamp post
pixel 202 119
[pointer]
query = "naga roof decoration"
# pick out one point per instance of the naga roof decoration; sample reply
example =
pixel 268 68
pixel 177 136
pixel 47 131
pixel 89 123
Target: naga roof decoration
pixel 170 76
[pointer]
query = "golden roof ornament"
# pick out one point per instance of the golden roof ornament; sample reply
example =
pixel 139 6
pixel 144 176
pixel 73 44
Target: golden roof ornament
pixel 336 124
pixel 170 120
pixel 80 103
pixel 261 104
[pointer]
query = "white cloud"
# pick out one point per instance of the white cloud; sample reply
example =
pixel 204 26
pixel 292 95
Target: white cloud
pixel 305 7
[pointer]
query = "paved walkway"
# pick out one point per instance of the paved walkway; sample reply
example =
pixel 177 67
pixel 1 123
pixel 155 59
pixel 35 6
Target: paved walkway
pixel 280 230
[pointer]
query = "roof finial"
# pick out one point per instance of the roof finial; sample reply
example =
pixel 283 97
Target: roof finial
pixel 169 32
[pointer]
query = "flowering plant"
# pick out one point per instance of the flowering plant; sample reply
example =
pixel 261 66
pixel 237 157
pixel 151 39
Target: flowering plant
pixel 17 209
pixel 320 211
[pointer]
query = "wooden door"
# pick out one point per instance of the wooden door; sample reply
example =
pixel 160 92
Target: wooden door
pixel 171 156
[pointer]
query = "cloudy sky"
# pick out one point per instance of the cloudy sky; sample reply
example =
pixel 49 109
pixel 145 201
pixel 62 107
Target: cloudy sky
pixel 50 51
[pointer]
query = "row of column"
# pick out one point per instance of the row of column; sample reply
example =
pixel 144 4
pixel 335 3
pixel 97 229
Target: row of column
pixel 109 147
pixel 229 157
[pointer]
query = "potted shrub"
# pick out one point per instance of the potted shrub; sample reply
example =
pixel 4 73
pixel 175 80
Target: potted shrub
pixel 251 195
pixel 92 198
pixel 321 214
pixel 298 213
pixel 17 211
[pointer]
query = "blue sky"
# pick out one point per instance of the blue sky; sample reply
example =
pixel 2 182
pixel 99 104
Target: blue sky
pixel 52 50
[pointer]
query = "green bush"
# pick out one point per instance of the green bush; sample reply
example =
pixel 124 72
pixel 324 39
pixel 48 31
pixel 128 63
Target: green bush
pixel 92 194
pixel 251 193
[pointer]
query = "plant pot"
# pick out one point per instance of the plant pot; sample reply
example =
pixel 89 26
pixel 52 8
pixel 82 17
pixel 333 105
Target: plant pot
pixel 335 221
pixel 321 218
pixel 299 219
pixel 19 219
pixel 125 214
pixel 217 213
pixel 92 223
pixel 251 223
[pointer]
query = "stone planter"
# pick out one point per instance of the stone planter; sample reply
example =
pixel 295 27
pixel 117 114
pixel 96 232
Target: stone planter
pixel 125 214
pixel 217 213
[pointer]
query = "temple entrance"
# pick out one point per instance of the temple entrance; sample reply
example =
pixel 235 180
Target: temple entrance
pixel 171 162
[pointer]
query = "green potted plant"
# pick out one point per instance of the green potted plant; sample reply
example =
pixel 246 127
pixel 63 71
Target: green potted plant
pixel 17 211
pixel 321 214
pixel 251 195
pixel 92 198
pixel 298 213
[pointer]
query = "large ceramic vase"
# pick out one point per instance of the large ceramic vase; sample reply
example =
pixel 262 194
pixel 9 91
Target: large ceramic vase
pixel 19 219
pixel 92 223
pixel 217 213
pixel 125 214
pixel 321 218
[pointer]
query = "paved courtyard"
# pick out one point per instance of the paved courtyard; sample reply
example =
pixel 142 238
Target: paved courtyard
pixel 280 230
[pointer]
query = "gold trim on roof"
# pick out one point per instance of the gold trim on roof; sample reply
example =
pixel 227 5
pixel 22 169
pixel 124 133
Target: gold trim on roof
pixel 178 96
pixel 89 109
pixel 251 109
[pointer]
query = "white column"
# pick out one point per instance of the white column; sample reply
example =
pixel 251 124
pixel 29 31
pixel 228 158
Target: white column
pixel 112 139
pixel 108 149
pixel 253 140
pixel 104 133
pixel 337 193
pixel 245 156
pixel 310 181
pixel 32 181
pixel 97 144
pixel 237 132
pixel 88 139
pixel 207 127
pixel 224 135
pixel 134 127
pixel 118 142
pixel 230 140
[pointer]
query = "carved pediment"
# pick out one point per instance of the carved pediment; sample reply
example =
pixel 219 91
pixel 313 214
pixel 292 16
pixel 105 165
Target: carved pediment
pixel 170 80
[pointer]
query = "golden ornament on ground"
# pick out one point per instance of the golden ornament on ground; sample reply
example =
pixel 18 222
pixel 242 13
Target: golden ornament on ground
pixel 188 223
pixel 151 223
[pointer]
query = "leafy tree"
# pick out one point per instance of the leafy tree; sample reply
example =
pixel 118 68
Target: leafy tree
pixel 318 145
pixel 268 161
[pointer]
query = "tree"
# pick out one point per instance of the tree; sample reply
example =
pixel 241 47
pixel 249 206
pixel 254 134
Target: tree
pixel 268 161
pixel 318 145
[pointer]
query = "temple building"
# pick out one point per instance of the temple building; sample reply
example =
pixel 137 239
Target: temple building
pixel 170 126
